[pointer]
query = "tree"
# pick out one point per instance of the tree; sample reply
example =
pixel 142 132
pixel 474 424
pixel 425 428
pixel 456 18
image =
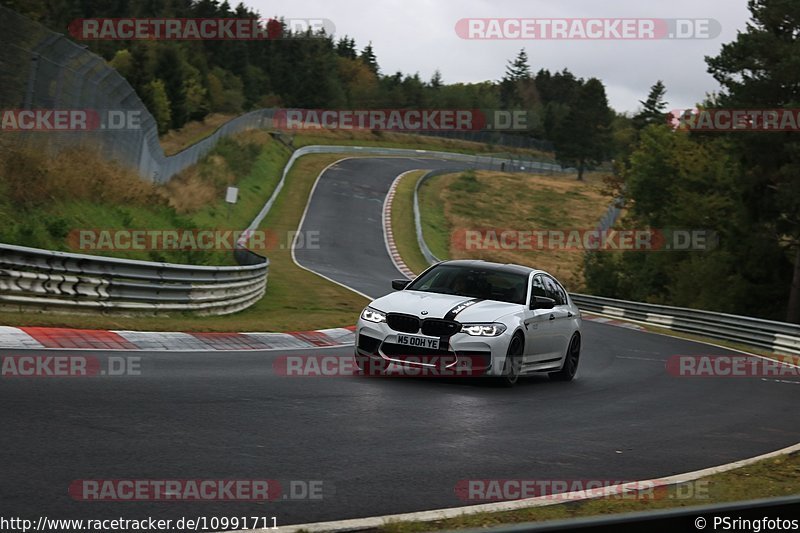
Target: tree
pixel 759 71
pixel 653 108
pixel 517 83
pixel 369 59
pixel 346 47
pixel 584 137
pixel 674 181
pixel 155 96
pixel 436 80
pixel 170 69
pixel 518 69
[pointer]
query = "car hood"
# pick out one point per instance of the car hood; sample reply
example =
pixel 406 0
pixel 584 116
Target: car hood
pixel 438 305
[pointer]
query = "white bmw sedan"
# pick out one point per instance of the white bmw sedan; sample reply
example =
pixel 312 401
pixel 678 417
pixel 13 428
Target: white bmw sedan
pixel 505 320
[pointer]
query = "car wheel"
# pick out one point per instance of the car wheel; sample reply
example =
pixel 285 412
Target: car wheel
pixel 513 362
pixel 573 357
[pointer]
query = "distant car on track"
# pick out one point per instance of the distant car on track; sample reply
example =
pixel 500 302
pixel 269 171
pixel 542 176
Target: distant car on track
pixel 509 320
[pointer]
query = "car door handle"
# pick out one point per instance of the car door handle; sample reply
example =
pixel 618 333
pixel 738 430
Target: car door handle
pixel 569 314
pixel 552 317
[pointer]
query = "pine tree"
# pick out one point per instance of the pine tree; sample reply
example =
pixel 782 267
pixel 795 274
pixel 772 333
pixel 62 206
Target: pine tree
pixel 436 80
pixel 369 59
pixel 653 109
pixel 518 73
pixel 584 137
pixel 518 69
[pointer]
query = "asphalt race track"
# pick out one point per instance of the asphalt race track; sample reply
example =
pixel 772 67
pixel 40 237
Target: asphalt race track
pixel 378 446
pixel 346 208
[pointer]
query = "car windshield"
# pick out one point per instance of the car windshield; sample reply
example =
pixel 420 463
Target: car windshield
pixel 474 282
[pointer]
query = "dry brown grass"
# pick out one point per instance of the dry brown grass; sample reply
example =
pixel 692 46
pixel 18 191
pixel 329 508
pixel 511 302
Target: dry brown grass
pixel 526 202
pixel 31 179
pixel 194 188
pixel 176 140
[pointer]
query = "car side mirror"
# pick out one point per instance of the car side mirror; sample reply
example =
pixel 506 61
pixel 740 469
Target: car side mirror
pixel 542 302
pixel 400 284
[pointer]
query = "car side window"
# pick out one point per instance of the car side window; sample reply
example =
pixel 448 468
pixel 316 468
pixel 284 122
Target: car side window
pixel 563 293
pixel 537 287
pixel 554 291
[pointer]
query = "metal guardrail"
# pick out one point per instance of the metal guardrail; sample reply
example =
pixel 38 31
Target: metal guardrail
pixel 64 282
pixel 423 246
pixel 779 337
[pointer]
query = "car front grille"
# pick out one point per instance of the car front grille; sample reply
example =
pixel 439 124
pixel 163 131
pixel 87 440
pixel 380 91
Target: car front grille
pixel 433 327
pixel 436 327
pixel 403 323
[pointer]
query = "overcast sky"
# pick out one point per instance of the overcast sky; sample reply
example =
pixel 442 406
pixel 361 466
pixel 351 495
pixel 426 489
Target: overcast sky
pixel 419 36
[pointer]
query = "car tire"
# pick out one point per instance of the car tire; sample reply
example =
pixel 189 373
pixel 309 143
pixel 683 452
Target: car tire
pixel 512 363
pixel 571 361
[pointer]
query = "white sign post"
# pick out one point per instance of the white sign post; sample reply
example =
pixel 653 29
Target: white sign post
pixel 231 195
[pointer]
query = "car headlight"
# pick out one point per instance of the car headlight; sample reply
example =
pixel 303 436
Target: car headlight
pixel 373 315
pixel 483 330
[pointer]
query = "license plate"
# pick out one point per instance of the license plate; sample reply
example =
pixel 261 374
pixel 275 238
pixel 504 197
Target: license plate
pixel 420 342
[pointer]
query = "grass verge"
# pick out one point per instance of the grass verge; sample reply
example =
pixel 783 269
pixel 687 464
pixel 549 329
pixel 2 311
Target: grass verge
pixel 193 132
pixel 50 202
pixel 295 299
pixel 405 234
pixel 512 201
pixel 774 477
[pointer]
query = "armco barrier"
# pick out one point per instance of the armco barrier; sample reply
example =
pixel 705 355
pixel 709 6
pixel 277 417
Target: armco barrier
pixel 31 278
pixel 780 337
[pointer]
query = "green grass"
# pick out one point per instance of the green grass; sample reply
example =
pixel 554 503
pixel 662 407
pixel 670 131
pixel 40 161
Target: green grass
pixel 436 228
pixel 256 186
pixel 775 477
pixel 79 191
pixel 295 299
pixel 403 228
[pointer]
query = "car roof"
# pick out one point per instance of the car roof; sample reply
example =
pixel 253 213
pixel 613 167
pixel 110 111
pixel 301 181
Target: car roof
pixel 499 267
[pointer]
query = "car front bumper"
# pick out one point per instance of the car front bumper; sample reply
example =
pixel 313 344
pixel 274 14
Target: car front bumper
pixel 377 342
